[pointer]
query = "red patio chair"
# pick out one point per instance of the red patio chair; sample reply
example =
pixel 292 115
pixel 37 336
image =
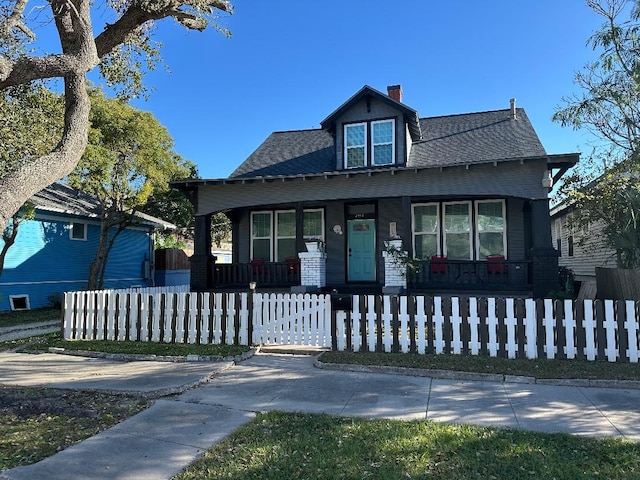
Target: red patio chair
pixel 438 264
pixel 495 264
pixel 258 265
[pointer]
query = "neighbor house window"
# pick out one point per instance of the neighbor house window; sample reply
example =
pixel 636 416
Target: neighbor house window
pixel 457 231
pixel 285 235
pixel 19 302
pixel 370 143
pixel 382 139
pixel 261 236
pixel 355 145
pixel 273 234
pixel 570 245
pixel 426 230
pixel 78 231
pixel 491 228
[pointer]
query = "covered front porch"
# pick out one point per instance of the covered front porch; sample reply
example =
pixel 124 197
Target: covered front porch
pixel 437 275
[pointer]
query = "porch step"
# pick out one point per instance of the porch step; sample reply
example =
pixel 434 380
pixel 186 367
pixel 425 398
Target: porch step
pixel 293 349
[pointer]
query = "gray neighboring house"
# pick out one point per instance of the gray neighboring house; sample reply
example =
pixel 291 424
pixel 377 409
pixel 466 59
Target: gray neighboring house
pixel 467 194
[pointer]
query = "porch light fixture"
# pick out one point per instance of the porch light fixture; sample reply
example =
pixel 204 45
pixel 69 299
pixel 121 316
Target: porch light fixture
pixel 547 179
pixel 337 229
pixel 252 286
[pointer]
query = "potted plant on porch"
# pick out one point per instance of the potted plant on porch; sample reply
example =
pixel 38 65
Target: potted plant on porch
pixel 314 244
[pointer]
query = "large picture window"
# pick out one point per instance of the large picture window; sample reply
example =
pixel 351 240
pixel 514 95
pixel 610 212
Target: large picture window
pixel 457 231
pixel 273 234
pixel 491 231
pixel 426 230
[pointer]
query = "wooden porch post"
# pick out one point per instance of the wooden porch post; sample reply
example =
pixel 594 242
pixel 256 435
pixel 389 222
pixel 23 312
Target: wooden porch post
pixel 544 258
pixel 300 228
pixel 202 259
pixel 405 230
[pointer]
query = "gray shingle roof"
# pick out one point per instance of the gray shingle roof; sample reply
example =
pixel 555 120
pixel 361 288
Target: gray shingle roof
pixel 291 153
pixel 475 138
pixel 446 141
pixel 61 198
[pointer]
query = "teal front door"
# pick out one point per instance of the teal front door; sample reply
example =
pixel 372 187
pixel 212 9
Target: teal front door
pixel 361 248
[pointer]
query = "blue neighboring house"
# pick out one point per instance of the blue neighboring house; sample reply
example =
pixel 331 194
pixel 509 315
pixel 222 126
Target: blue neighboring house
pixel 52 252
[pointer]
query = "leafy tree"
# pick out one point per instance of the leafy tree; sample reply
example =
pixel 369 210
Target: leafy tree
pixel 606 188
pixel 30 120
pixel 129 157
pixel 122 47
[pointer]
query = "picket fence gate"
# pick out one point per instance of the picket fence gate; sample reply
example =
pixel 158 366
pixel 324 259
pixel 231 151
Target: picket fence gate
pixel 511 328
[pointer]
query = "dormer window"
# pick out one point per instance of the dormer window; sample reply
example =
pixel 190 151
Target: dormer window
pixel 371 143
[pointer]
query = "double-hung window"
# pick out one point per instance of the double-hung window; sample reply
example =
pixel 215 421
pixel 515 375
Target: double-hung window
pixel 261 236
pixel 369 143
pixel 313 224
pixel 355 145
pixel 382 135
pixel 426 230
pixel 285 235
pixel 457 231
pixel 491 231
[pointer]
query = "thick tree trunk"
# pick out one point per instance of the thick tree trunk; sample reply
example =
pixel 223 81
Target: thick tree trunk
pixel 9 240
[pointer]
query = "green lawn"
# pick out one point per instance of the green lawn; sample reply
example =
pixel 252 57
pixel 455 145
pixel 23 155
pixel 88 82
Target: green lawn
pixel 303 446
pixel 9 319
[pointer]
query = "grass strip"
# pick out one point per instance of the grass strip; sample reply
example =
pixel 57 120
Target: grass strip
pixel 10 319
pixel 142 348
pixel 280 445
pixel 541 368
pixel 36 422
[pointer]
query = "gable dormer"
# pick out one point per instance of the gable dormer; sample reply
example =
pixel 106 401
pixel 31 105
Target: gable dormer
pixel 372 129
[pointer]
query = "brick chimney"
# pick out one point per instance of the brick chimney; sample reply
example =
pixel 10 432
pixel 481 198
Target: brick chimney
pixel 395 92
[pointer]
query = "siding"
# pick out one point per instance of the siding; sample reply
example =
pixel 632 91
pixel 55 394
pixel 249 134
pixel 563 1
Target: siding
pixel 594 253
pixel 510 179
pixel 44 261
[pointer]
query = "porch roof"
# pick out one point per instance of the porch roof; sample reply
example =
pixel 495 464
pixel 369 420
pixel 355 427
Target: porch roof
pixel 554 162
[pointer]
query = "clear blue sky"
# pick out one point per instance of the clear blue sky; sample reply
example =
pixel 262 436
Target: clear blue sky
pixel 290 63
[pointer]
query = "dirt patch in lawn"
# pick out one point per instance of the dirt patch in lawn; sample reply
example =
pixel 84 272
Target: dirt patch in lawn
pixel 38 422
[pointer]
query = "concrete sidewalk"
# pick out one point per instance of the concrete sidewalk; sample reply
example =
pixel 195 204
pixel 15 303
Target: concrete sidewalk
pixel 25 330
pixel 158 443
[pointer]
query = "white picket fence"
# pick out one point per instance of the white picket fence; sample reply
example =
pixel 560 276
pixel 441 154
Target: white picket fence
pixel 512 328
pixel 203 318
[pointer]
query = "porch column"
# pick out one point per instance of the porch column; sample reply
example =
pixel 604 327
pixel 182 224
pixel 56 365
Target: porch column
pixel 395 271
pixel 313 272
pixel 202 260
pixel 544 258
pixel 405 231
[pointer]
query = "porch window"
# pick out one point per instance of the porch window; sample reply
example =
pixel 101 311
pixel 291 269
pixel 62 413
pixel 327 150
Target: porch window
pixel 382 140
pixel 285 235
pixel 457 231
pixel 491 231
pixel 426 231
pixel 261 235
pixel 273 233
pixel 313 224
pixel 355 145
